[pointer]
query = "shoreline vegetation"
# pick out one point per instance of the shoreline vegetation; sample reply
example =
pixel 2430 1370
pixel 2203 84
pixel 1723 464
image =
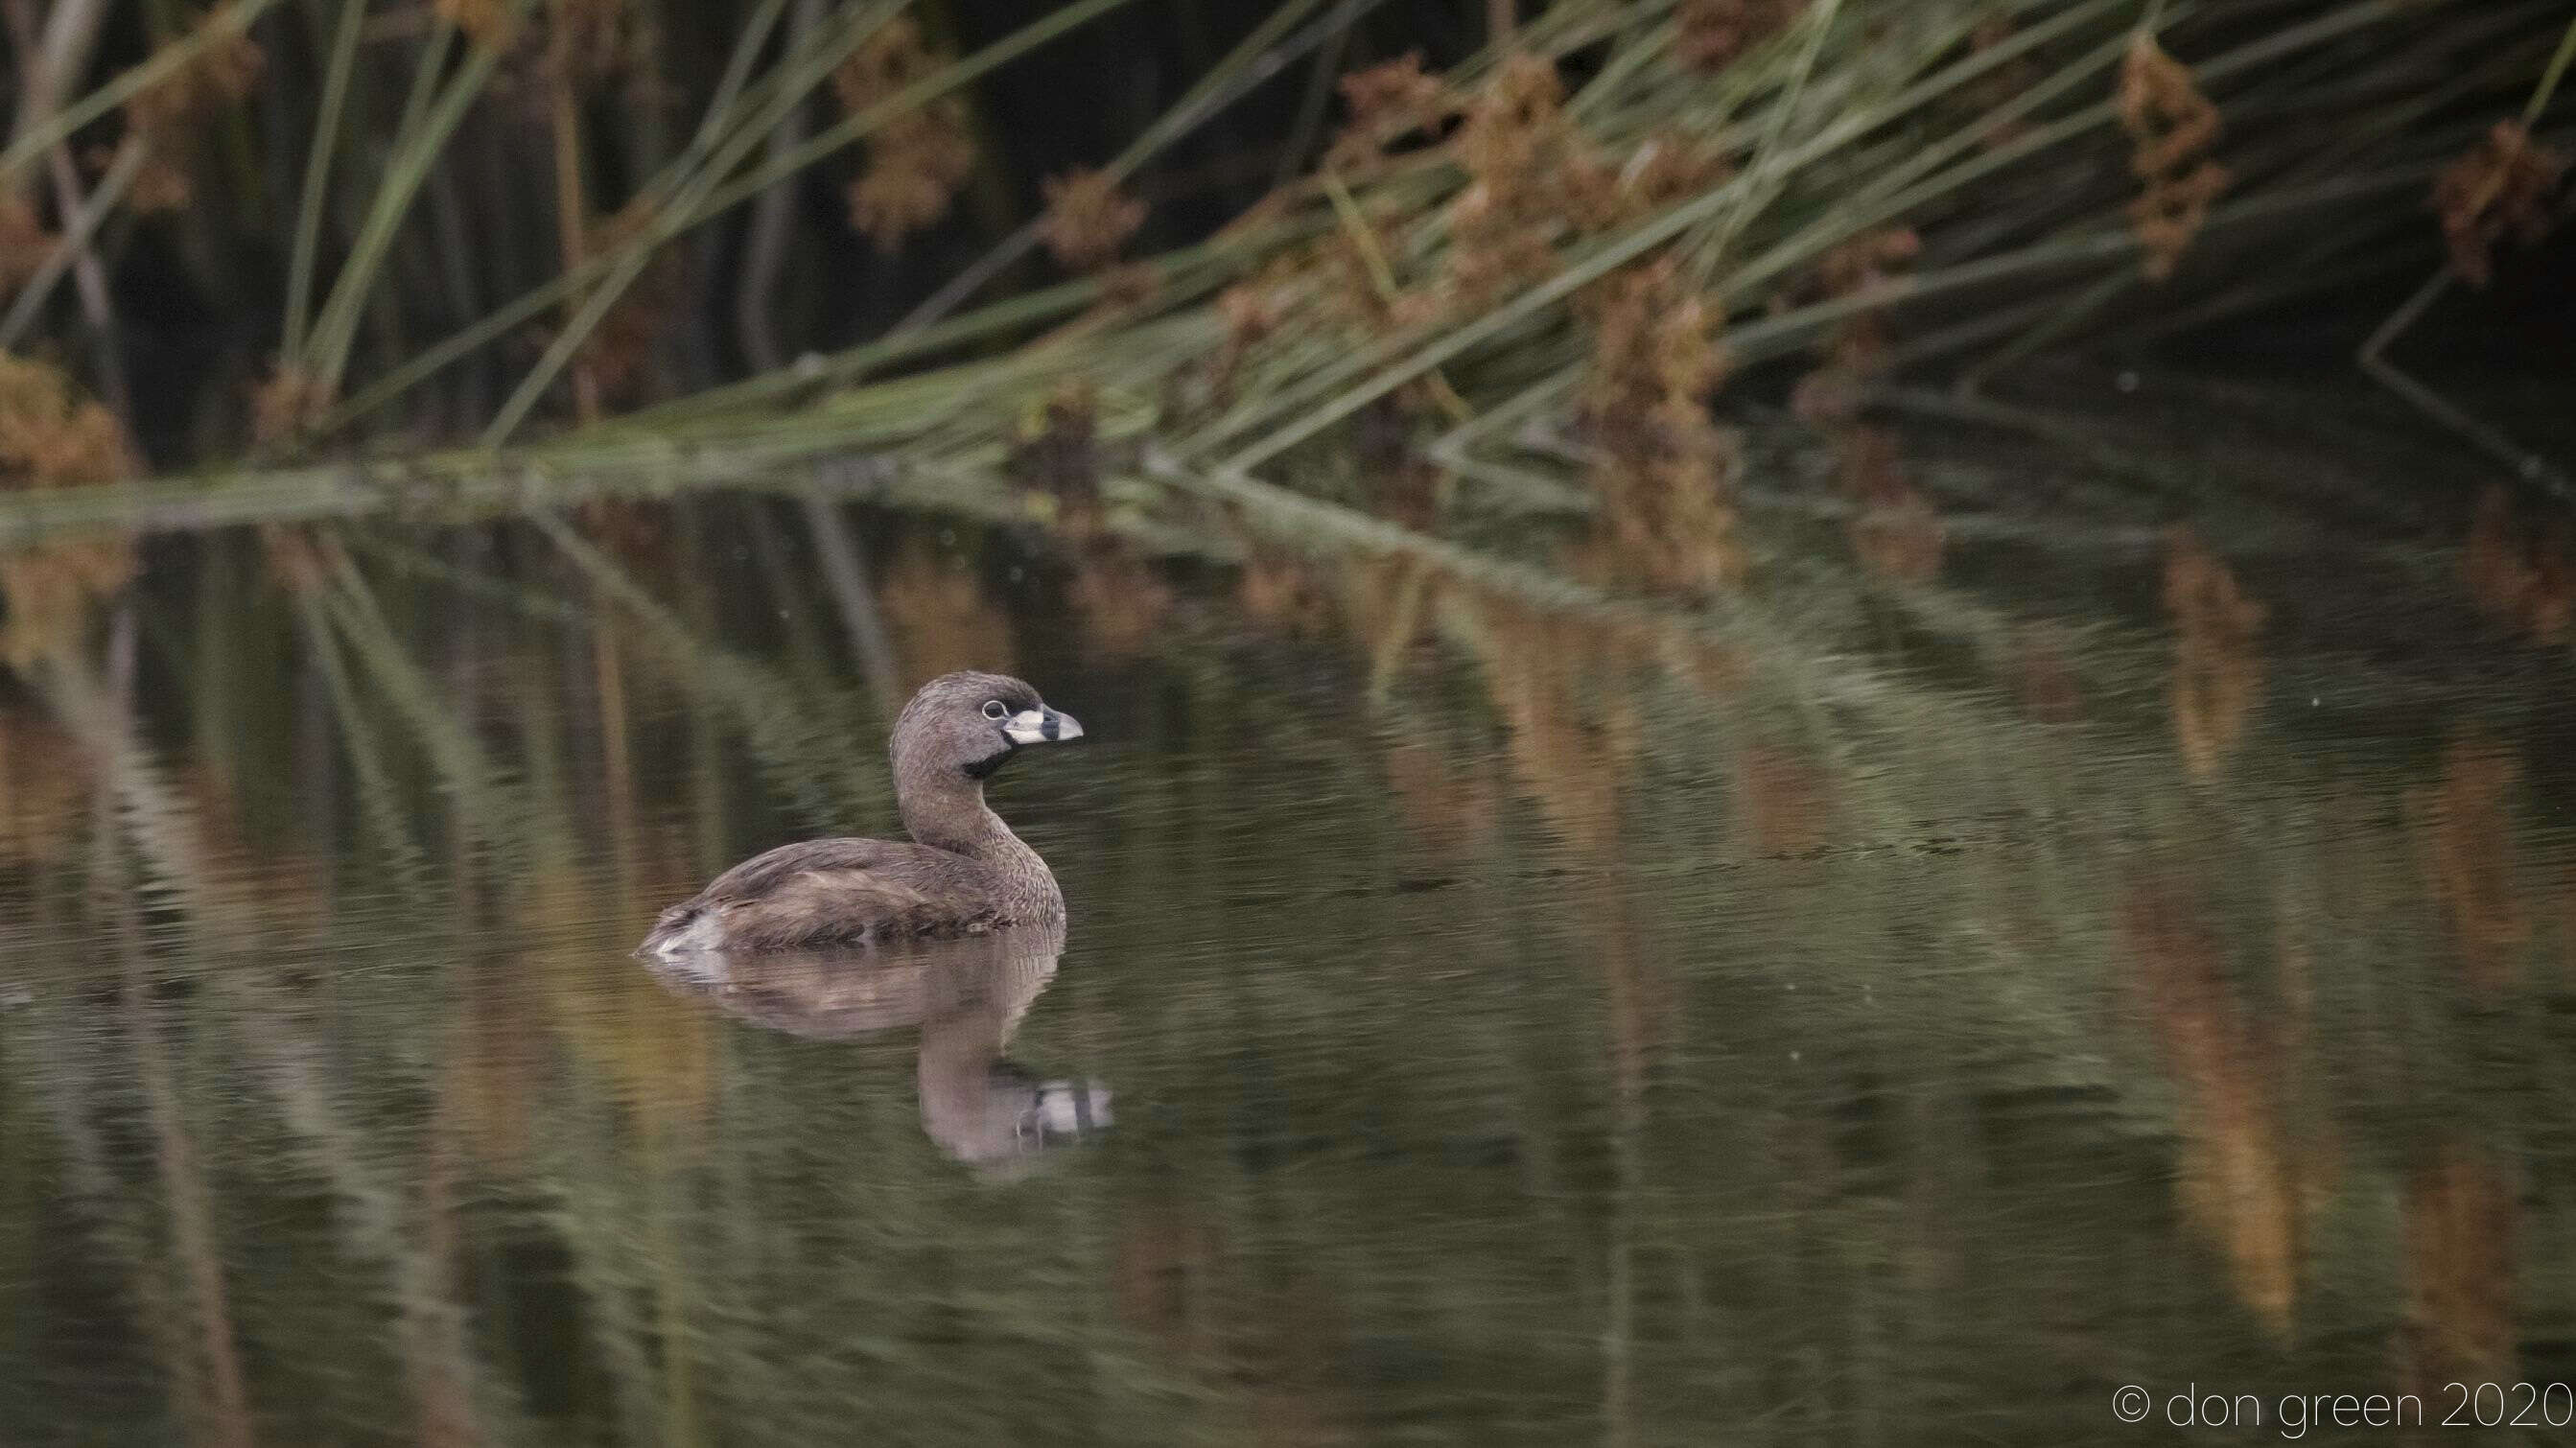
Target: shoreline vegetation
pixel 1474 299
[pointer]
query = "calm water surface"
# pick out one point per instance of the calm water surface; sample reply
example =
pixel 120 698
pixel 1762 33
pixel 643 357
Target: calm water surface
pixel 1988 970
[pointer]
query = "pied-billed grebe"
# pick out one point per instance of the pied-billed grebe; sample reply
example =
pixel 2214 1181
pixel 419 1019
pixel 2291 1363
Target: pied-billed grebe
pixel 968 873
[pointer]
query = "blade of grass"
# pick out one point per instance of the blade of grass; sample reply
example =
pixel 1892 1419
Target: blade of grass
pixel 74 242
pixel 673 221
pixel 317 174
pixel 679 215
pixel 165 62
pixel 1819 20
pixel 327 349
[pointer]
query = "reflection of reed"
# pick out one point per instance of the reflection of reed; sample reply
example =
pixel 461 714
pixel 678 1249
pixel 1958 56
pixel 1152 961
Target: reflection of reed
pixel 1453 811
pixel 414 1248
pixel 2216 669
pixel 1120 598
pixel 1297 1359
pixel 52 594
pixel 164 827
pixel 1285 591
pixel 2239 1180
pixel 653 1054
pixel 1574 735
pixel 806 753
pixel 1894 531
pixel 2565 896
pixel 437 1360
pixel 191 1330
pixel 66 1064
pixel 1387 601
pixel 215 1406
pixel 616 753
pixel 464 764
pixel 1275 1338
pixel 939 616
pixel 43 782
pixel 1571 728
pixel 734 1234
pixel 2461 1205
pixel 380 803
pixel 1165 1275
pixel 1787 802
pixel 845 570
pixel 2467 832
pixel 491 1077
pixel 2520 575
pixel 171 840
pixel 2043 679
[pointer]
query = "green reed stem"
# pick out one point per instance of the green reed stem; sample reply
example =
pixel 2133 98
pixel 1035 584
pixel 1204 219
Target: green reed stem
pixel 327 349
pixel 722 199
pixel 165 62
pixel 2547 90
pixel 95 209
pixel 317 174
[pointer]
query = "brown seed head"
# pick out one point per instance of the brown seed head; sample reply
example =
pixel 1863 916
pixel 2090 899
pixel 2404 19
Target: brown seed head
pixel 1710 34
pixel 24 244
pixel 1087 219
pixel 1533 179
pixel 2172 125
pixel 1388 102
pixel 489 24
pixel 917 161
pixel 51 436
pixel 169 117
pixel 288 404
pixel 2499 190
pixel 1664 470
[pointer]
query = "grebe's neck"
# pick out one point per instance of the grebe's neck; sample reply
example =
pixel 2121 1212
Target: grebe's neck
pixel 953 816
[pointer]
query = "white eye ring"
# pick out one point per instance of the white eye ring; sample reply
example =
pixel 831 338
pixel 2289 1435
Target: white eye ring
pixel 993 709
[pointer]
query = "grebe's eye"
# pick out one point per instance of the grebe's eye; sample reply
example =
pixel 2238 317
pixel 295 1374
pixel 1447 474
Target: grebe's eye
pixel 993 709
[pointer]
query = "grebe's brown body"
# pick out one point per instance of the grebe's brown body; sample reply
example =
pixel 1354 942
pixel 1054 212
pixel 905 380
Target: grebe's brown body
pixel 962 873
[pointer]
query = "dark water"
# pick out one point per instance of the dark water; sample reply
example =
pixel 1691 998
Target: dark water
pixel 1901 1008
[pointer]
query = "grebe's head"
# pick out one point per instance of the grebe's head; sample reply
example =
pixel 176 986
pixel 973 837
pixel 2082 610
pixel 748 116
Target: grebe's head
pixel 971 724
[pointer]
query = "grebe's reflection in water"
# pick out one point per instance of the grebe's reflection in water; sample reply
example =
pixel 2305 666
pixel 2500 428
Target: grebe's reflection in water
pixel 967 995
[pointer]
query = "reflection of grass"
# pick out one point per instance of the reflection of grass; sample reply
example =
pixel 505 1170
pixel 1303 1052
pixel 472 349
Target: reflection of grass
pixel 1744 1046
pixel 379 800
pixel 2239 1176
pixel 58 1071
pixel 2218 674
pixel 941 616
pixel 43 784
pixel 2466 822
pixel 463 764
pixel 2462 1208
pixel 808 757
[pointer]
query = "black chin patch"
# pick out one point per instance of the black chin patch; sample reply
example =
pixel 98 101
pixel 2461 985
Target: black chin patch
pixel 983 768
